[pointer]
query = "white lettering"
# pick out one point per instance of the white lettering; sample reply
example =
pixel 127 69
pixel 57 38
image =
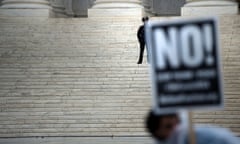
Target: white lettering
pixel 167 48
pixel 191 46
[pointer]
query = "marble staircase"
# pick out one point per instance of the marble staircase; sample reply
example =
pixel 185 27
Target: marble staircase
pixel 79 77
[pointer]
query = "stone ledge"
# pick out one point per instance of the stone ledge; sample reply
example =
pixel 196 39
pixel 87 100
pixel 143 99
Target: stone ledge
pixel 209 10
pixel 210 7
pixel 133 12
pixel 24 12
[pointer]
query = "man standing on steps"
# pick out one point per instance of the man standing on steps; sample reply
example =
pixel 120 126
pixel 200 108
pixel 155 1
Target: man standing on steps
pixel 141 39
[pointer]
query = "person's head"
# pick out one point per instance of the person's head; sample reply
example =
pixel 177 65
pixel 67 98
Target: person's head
pixel 145 19
pixel 161 126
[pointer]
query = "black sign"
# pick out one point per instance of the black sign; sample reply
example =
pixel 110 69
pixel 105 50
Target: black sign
pixel 185 64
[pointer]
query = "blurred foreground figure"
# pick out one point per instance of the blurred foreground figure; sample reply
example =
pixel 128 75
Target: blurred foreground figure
pixel 141 39
pixel 166 129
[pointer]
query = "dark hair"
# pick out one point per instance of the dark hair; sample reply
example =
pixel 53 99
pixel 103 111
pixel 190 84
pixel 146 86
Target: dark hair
pixel 153 121
pixel 145 19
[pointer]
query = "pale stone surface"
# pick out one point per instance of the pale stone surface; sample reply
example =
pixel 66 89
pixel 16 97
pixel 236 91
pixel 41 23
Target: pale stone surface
pixel 81 140
pixel 25 4
pixel 79 77
pixel 209 7
pixel 25 8
pixel 118 8
pixel 133 12
pixel 72 77
pixel 24 13
pixel 117 4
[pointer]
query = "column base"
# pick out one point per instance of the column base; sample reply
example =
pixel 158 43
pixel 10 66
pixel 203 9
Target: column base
pixel 117 5
pixel 211 7
pixel 116 12
pixel 24 12
pixel 53 14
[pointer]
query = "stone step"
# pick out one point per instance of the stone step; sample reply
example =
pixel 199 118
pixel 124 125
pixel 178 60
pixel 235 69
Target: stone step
pixel 82 140
pixel 59 76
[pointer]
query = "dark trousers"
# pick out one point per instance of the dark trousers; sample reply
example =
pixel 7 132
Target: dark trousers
pixel 142 47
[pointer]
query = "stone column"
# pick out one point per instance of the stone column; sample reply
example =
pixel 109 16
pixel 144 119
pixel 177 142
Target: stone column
pixel 117 4
pixel 148 6
pixel 77 8
pixel 80 7
pixel 90 3
pixel 58 8
pixel 116 8
pixel 34 8
pixel 209 7
pixel 69 8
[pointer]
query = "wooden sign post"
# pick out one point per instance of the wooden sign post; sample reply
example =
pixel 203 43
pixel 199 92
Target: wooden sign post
pixel 192 134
